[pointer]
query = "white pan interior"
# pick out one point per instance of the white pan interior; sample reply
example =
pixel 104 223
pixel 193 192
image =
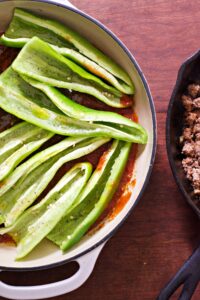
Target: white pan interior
pixel 46 253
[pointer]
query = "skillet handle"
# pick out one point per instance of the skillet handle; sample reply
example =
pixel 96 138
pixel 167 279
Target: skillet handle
pixel 86 266
pixel 188 275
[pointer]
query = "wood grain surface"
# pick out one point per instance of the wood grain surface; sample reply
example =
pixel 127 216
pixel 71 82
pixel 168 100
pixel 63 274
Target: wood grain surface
pixel 163 230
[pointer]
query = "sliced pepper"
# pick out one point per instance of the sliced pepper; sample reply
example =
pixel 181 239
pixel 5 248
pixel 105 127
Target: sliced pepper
pixel 20 99
pixel 40 61
pixel 29 180
pixel 19 142
pixel 40 219
pixel 119 125
pixel 26 25
pixel 32 105
pixel 94 198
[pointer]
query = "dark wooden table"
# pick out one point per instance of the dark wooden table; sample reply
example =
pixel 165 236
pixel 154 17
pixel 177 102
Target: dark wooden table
pixel 163 230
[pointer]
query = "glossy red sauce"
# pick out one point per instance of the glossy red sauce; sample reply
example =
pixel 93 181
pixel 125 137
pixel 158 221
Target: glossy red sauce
pixel 7 56
pixel 6 239
pixel 92 102
pixel 122 195
pixel 102 160
pixel 126 100
pixel 96 158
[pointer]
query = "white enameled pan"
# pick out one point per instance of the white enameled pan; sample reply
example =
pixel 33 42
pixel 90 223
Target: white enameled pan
pixel 86 252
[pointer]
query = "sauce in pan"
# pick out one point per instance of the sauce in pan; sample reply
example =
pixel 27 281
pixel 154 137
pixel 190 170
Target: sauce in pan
pixel 6 239
pixel 124 191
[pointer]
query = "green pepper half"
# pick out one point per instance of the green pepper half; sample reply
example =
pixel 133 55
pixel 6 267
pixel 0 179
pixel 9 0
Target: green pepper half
pixel 19 142
pixel 94 198
pixel 40 219
pixel 110 120
pixel 40 61
pixel 28 181
pixel 26 25
pixel 32 105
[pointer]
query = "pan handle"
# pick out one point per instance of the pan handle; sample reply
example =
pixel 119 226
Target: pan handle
pixel 86 266
pixel 188 276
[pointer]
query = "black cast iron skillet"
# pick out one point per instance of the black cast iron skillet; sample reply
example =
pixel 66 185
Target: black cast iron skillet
pixel 189 273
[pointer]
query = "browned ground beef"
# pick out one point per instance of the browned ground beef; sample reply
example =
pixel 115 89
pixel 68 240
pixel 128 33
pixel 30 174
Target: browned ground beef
pixel 190 139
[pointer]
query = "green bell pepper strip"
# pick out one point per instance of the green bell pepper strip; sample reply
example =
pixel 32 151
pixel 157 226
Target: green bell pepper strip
pixel 40 61
pixel 19 142
pixel 33 226
pixel 30 104
pixel 30 179
pixel 25 25
pixel 110 120
pixel 37 160
pixel 96 195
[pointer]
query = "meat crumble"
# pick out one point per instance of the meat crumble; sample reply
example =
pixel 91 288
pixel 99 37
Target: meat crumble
pixel 190 139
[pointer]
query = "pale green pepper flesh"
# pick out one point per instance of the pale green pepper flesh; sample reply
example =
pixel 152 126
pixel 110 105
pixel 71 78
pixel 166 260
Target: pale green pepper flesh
pixel 26 25
pixel 40 61
pixel 95 198
pixel 32 105
pixel 19 142
pixel 30 179
pixel 110 120
pixel 40 219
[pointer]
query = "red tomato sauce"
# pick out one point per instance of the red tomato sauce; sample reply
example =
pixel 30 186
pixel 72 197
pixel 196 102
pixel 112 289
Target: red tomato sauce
pixel 122 195
pixel 126 100
pixel 102 160
pixel 6 239
pixel 96 158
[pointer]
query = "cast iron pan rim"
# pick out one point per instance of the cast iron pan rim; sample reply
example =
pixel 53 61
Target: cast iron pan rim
pixel 153 113
pixel 168 125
